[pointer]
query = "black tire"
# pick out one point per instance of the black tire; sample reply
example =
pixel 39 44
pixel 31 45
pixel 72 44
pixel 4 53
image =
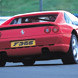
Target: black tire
pixel 71 57
pixel 2 60
pixel 2 63
pixel 28 62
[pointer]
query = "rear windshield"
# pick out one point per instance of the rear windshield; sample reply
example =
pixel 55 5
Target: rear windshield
pixel 32 19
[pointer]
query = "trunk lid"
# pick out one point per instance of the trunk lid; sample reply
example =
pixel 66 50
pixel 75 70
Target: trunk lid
pixel 25 30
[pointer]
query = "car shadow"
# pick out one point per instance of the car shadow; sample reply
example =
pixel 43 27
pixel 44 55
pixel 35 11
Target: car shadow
pixel 39 65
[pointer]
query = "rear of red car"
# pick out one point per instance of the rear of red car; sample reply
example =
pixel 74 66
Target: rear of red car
pixel 30 35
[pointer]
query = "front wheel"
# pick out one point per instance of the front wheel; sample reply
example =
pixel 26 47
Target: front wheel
pixel 72 56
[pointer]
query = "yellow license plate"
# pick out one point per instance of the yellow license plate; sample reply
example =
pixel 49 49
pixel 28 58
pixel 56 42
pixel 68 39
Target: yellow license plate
pixel 23 43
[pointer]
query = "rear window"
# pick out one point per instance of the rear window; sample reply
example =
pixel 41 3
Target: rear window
pixel 32 19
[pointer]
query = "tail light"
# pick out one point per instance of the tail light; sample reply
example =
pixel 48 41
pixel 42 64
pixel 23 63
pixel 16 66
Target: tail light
pixel 55 29
pixel 47 30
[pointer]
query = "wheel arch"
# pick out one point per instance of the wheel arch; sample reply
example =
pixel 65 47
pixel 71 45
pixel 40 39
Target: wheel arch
pixel 3 52
pixel 74 32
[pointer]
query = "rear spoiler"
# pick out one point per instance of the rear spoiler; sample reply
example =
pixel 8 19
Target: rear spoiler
pixel 32 25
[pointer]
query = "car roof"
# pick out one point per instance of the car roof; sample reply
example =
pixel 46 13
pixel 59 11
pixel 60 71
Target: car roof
pixel 41 12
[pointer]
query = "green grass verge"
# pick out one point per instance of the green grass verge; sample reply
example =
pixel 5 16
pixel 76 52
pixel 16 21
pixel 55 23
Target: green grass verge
pixel 13 7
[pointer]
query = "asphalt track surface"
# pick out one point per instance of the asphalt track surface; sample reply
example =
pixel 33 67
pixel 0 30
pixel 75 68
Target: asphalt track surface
pixel 41 69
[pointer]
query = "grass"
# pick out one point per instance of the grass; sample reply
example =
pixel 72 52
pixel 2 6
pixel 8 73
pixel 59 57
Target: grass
pixel 13 7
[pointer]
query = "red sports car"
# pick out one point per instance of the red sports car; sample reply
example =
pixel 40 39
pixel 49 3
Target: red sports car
pixel 36 36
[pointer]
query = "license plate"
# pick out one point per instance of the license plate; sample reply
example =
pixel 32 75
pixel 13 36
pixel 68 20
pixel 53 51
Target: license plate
pixel 23 43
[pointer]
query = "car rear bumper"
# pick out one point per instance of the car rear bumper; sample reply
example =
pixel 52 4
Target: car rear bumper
pixel 55 43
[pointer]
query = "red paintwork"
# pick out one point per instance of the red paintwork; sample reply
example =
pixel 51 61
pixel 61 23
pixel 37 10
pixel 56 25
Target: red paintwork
pixel 60 41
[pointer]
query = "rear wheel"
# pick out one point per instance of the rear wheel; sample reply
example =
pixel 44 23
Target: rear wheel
pixel 72 56
pixel 2 60
pixel 28 62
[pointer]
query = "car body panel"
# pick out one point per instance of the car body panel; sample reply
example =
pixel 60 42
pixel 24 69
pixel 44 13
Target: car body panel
pixel 55 42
